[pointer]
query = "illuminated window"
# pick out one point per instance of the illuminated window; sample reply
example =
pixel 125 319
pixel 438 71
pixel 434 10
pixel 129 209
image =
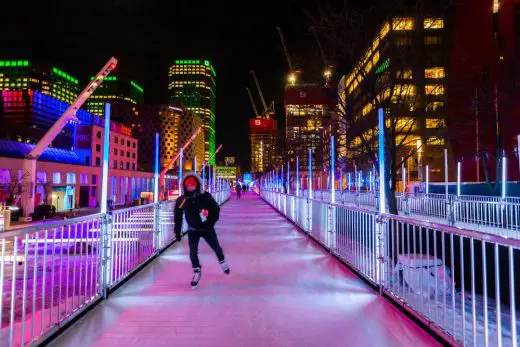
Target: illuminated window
pixel 384 30
pixel 433 23
pixel 432 123
pixel 400 24
pixel 435 141
pixel 434 106
pixel 366 109
pixel 434 89
pixel 407 140
pixel 405 74
pixel 434 72
pixel 404 90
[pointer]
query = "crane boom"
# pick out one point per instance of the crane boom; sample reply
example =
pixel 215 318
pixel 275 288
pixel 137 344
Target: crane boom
pixel 322 53
pixel 287 56
pixel 190 140
pixel 252 102
pixel 213 156
pixel 70 113
pixel 259 91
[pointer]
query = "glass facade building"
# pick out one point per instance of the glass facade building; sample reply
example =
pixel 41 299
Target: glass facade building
pixel 23 75
pixel 115 90
pixel 192 85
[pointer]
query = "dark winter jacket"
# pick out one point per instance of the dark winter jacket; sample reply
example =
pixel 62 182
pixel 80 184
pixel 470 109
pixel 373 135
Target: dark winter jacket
pixel 191 204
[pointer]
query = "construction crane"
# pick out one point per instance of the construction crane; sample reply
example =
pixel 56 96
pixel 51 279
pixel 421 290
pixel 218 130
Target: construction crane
pixel 293 72
pixel 259 91
pixel 252 102
pixel 268 111
pixel 29 162
pixel 327 72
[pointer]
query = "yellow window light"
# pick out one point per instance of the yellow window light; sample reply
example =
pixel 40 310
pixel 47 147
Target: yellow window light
pixel 403 23
pixel 434 89
pixel 434 72
pixel 433 23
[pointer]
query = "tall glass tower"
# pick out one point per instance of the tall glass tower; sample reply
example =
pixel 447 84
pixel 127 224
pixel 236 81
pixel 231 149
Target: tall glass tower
pixel 192 84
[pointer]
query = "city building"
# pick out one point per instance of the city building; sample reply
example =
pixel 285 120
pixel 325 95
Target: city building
pixel 123 147
pixel 309 110
pixel 114 90
pixel 26 115
pixel 402 71
pixel 263 136
pixel 25 75
pixel 228 172
pixel 484 88
pixel 174 125
pixel 192 85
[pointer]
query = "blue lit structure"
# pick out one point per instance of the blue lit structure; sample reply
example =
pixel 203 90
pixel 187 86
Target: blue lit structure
pixel 14 149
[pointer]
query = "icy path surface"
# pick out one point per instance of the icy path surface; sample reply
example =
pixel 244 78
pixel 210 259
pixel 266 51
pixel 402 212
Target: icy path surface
pixel 283 290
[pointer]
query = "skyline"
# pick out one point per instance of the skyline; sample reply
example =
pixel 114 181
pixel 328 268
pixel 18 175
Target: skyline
pixel 147 38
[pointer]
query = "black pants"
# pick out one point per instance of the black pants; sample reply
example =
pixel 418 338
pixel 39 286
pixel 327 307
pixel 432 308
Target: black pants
pixel 211 238
pixel 238 194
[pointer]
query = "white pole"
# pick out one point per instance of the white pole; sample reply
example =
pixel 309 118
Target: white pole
pixel 195 164
pixel 106 153
pixel 310 173
pixel 349 181
pixel 332 171
pixel 297 176
pixel 381 160
pixel 156 173
pixel 427 179
pixel 458 178
pixel 403 174
pixel 180 171
pixel 288 183
pixel 446 172
pixel 504 176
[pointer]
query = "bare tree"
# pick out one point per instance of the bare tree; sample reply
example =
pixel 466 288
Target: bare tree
pixel 360 39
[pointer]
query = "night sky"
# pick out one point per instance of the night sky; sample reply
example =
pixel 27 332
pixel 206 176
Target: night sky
pixel 145 36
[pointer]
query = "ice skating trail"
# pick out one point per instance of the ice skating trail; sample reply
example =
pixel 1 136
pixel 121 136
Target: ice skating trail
pixel 283 290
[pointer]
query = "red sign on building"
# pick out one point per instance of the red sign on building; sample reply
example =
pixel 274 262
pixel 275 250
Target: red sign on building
pixel 120 129
pixel 262 125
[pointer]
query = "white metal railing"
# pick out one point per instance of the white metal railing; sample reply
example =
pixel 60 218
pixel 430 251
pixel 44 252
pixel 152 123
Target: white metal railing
pixel 50 273
pixel 460 282
pixel 481 213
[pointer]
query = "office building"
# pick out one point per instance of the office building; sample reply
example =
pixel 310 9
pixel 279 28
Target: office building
pixel 192 85
pixel 25 75
pixel 26 116
pixel 114 90
pixel 309 109
pixel 403 71
pixel 263 136
pixel 174 125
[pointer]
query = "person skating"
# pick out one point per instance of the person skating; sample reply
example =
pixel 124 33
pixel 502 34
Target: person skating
pixel 201 212
pixel 238 188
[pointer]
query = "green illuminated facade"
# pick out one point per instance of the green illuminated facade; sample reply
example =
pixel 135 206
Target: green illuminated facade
pixel 115 90
pixel 192 84
pixel 50 80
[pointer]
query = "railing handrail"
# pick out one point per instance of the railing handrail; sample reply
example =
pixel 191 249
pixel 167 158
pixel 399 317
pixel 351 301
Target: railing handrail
pixel 46 226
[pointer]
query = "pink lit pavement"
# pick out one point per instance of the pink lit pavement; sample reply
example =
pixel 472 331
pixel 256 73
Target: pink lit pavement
pixel 283 290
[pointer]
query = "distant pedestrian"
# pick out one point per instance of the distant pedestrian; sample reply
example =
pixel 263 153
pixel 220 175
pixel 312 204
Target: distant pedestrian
pixel 201 212
pixel 238 188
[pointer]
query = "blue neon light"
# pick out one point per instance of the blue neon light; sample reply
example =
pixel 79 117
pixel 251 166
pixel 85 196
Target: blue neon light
pixel 381 159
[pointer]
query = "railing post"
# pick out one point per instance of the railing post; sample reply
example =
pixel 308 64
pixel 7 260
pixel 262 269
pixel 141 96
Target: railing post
pixel 380 232
pixel 331 222
pixel 451 210
pixel 157 228
pixel 107 259
pixel 406 203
